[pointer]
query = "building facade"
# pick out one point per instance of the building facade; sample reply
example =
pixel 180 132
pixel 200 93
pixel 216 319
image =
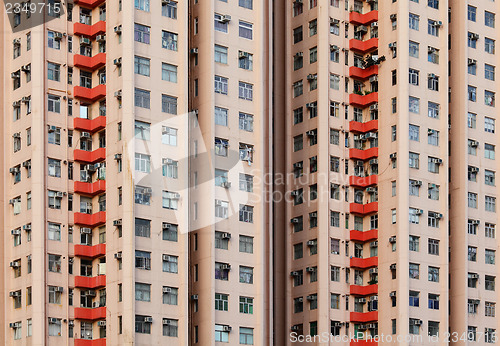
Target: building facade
pixel 249 172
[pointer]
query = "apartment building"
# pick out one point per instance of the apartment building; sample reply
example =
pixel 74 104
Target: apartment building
pixel 473 195
pixel 365 224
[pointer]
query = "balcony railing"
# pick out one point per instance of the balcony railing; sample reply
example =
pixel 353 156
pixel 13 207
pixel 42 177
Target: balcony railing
pixel 90 251
pixel 90 314
pixel 94 342
pixel 363 46
pixel 364 316
pixel 364 263
pixel 363 209
pixel 360 154
pixel 90 220
pixel 90 94
pixel 95 156
pixel 363 100
pixel 363 181
pixel 90 282
pixel 81 29
pixel 359 127
pixel 89 63
pixel 91 189
pixel 363 236
pixel 363 290
pixel 357 18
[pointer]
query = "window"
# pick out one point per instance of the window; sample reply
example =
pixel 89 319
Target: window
pixel 472 67
pixel 54 326
pixel 54 136
pixel 472 200
pixel 489 256
pixel 489 283
pixel 489 45
pixel 54 103
pixel 143 260
pixel 433 274
pixel 414 160
pixel 414 76
pixel 169 40
pixel 489 125
pixel 298 88
pixel 489 98
pixel 142 33
pixel 246 244
pixel 246 122
pixel 142 130
pixel 142 292
pixel 432 27
pixel 54 263
pixel 142 163
pixel 414 271
pixel 170 200
pixel 54 167
pixel 170 295
pixel 414 48
pixel 489 72
pixel 246 305
pixel 221 333
pixel 489 19
pixel 246 275
pixel 489 177
pixel 472 92
pixel 414 133
pixel 472 253
pixel 433 247
pixel 168 104
pixel 221 209
pixel 414 299
pixel 245 30
pixel 221 302
pixel 169 136
pixel 142 228
pixel 220 54
pixel 489 230
pixel 246 4
pixel 414 21
pixel 169 9
pixel 143 324
pixel 245 91
pixel 221 240
pixel 489 335
pixel 221 85
pixel 471 13
pixel 53 71
pixel 313 27
pixel 169 72
pixel 414 243
pixel 297 34
pixel 471 120
pixel 414 105
pixel 490 203
pixel 335 246
pixel 142 5
pixel 51 41
pixel 489 151
pixel 313 55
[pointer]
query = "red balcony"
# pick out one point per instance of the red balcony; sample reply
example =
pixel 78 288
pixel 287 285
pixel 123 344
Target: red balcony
pixel 90 156
pixel 89 3
pixel 89 125
pixel 90 220
pixel 81 29
pixel 362 100
pixel 90 95
pixel 91 189
pixel 360 154
pixel 358 181
pixel 364 263
pixel 363 46
pixel 95 342
pixel 90 314
pixel 364 316
pixel 363 73
pixel 369 126
pixel 92 282
pixel 363 236
pixel 363 19
pixel 359 342
pixel 89 63
pixel 362 209
pixel 90 251
pixel 363 290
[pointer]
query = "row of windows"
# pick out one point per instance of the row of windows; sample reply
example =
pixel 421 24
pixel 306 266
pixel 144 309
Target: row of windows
pixel 489 17
pixel 489 202
pixel 489 255
pixel 221 24
pixel 245 90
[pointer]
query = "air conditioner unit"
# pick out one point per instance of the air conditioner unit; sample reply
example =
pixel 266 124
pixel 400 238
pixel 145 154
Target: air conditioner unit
pixel 393 156
pixel 59 289
pixel 362 327
pixel 475 222
pixel 226 184
pixel 475 36
pixel 71 323
pixel 294 193
pixel 439 216
pixel 374 243
pixel 26 68
pixel 392 294
pixel 471 62
pixel 312 297
pixel 12 201
pixel 101 323
pixel 225 266
pixel 226 328
pixel 15 232
pixel 118 94
pixel 310 105
pixel 438 161
pixel 298 1
pixel 474 169
pixel 225 18
pixel 14 325
pixel 16 42
pixel 118 29
pixel 439 23
pixel 118 255
pixel 100 38
pixel 373 79
pixel 193 296
pixel 85 230
pixel 117 61
pixel 371 135
pixel 310 133
pixel 419 211
pixel 14 294
pixel 373 271
pixel 27 227
pixel 226 235
pixel 27 164
pixel 15 75
pixel 474 144
pixel 362 300
pixel 294 273
pixel 393 45
pixel 14 170
pixel 392 267
pixel 167 258
pixel 417 183
pixel 117 222
pixel 392 240
pixel 298 165
pixel 372 326
pixel 360 163
pixel 362 28
pixel 474 276
pixel 85 41
pixel 90 293
pixel 59 194
pixel 313 214
pixel 148 319
pixel 294 220
pixel 242 55
pixel 53 320
pixel 311 242
pixel 373 162
pixel 299 54
pixel 333 47
pixel 311 77
pixel 374 107
pixel 371 190
pixel 418 322
pixel 167 289
pixel 432 76
pixel 294 328
pixel 85 135
pixel 310 269
pixel 15 264
pixel 193 51
pixel 374 25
